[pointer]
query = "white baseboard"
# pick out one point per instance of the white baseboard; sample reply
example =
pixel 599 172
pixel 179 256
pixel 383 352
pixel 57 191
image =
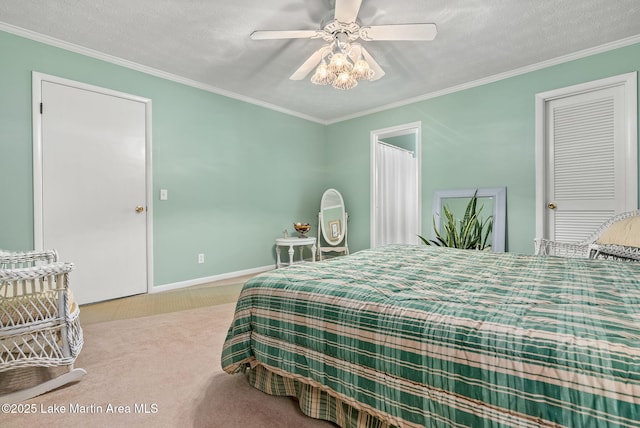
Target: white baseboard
pixel 199 281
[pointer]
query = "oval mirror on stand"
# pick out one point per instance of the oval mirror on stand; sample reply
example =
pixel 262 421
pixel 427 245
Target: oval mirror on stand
pixel 332 224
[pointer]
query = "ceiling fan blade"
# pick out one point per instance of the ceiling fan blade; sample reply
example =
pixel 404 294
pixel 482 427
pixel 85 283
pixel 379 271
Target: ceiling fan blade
pixel 399 32
pixel 309 64
pixel 286 34
pixel 347 10
pixel 379 72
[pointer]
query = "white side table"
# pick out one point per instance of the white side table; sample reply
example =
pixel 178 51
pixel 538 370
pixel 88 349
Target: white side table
pixel 295 242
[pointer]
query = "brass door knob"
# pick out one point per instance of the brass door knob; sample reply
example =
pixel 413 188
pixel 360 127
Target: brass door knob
pixel 139 209
pixel 552 205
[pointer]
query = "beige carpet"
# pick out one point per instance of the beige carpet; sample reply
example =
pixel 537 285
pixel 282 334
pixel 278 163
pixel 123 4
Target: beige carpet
pixel 167 365
pixel 215 293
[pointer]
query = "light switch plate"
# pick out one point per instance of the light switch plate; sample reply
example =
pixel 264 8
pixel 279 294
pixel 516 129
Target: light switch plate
pixel 164 194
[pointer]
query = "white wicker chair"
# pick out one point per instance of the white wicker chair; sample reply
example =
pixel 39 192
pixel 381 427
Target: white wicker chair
pixel 39 325
pixel 590 247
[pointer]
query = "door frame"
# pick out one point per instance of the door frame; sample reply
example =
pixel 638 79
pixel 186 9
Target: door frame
pixel 38 233
pixel 629 82
pixel 415 129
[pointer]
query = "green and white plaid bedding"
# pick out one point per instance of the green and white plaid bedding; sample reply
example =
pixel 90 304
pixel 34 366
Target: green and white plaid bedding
pixel 421 336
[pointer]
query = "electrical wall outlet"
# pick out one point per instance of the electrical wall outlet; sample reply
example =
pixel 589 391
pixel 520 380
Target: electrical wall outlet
pixel 201 258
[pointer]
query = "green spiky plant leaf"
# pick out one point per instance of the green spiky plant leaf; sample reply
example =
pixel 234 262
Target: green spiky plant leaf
pixel 471 232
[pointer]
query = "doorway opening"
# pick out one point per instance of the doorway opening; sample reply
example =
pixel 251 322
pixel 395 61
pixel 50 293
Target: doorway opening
pixel 396 205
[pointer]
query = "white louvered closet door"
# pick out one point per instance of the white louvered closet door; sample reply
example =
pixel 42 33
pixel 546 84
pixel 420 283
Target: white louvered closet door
pixel 586 141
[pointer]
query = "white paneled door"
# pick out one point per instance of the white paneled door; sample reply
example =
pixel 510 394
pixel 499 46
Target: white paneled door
pixel 587 163
pixel 92 182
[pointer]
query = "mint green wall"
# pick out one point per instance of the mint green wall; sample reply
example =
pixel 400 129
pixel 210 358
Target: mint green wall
pixel 480 137
pixel 234 171
pixel 235 174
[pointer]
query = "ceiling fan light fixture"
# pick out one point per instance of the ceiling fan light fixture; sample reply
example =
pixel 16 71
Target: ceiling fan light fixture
pixel 340 63
pixel 362 70
pixel 342 71
pixel 344 81
pixel 323 76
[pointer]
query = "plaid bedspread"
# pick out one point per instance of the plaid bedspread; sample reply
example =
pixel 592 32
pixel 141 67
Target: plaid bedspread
pixel 426 336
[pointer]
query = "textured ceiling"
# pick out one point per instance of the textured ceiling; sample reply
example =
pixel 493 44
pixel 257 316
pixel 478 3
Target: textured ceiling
pixel 207 41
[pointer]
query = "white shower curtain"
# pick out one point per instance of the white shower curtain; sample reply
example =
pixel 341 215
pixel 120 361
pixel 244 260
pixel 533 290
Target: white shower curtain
pixel 396 196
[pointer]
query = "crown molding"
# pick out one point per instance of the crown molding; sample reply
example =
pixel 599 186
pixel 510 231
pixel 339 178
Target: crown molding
pixel 52 41
pixel 28 34
pixel 500 76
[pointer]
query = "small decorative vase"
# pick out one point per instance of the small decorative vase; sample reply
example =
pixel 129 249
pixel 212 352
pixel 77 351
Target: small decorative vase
pixel 302 229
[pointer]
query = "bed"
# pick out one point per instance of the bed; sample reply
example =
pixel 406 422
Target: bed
pixel 415 336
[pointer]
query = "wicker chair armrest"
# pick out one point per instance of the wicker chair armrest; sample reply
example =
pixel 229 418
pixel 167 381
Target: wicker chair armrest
pixel 564 249
pixel 34 295
pixel 34 281
pixel 23 259
pixel 35 272
pixel 614 252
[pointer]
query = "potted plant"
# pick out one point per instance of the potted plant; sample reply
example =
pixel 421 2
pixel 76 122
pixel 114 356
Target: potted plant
pixel 471 232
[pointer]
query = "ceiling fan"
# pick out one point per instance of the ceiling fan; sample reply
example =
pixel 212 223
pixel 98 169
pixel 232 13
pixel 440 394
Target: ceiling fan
pixel 342 61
